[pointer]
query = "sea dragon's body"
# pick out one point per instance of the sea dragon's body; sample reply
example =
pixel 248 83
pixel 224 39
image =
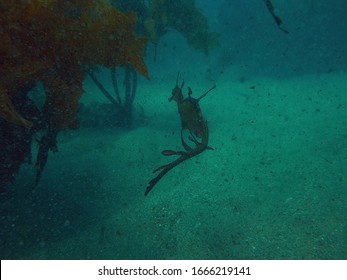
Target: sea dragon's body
pixel 191 120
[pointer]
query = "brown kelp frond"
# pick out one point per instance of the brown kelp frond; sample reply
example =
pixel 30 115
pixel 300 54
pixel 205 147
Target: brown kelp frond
pixel 39 36
pixel 51 41
pixel 183 16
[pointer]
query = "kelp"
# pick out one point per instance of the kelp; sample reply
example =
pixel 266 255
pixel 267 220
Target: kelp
pixel 43 35
pixel 122 105
pixel 277 19
pixel 51 41
pixel 15 141
pixel 183 16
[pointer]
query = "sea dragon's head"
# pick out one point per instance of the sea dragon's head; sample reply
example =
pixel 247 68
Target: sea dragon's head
pixel 176 93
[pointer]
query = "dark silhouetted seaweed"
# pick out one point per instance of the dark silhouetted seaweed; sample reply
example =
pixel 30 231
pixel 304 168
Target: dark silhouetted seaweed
pixel 277 19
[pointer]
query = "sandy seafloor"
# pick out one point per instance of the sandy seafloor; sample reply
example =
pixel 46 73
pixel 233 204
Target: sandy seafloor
pixel 275 187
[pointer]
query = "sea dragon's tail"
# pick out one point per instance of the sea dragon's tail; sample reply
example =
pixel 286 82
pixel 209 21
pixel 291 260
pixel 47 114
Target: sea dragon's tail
pixel 167 167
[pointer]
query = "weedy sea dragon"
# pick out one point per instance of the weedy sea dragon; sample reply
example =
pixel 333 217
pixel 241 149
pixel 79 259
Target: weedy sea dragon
pixel 191 120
